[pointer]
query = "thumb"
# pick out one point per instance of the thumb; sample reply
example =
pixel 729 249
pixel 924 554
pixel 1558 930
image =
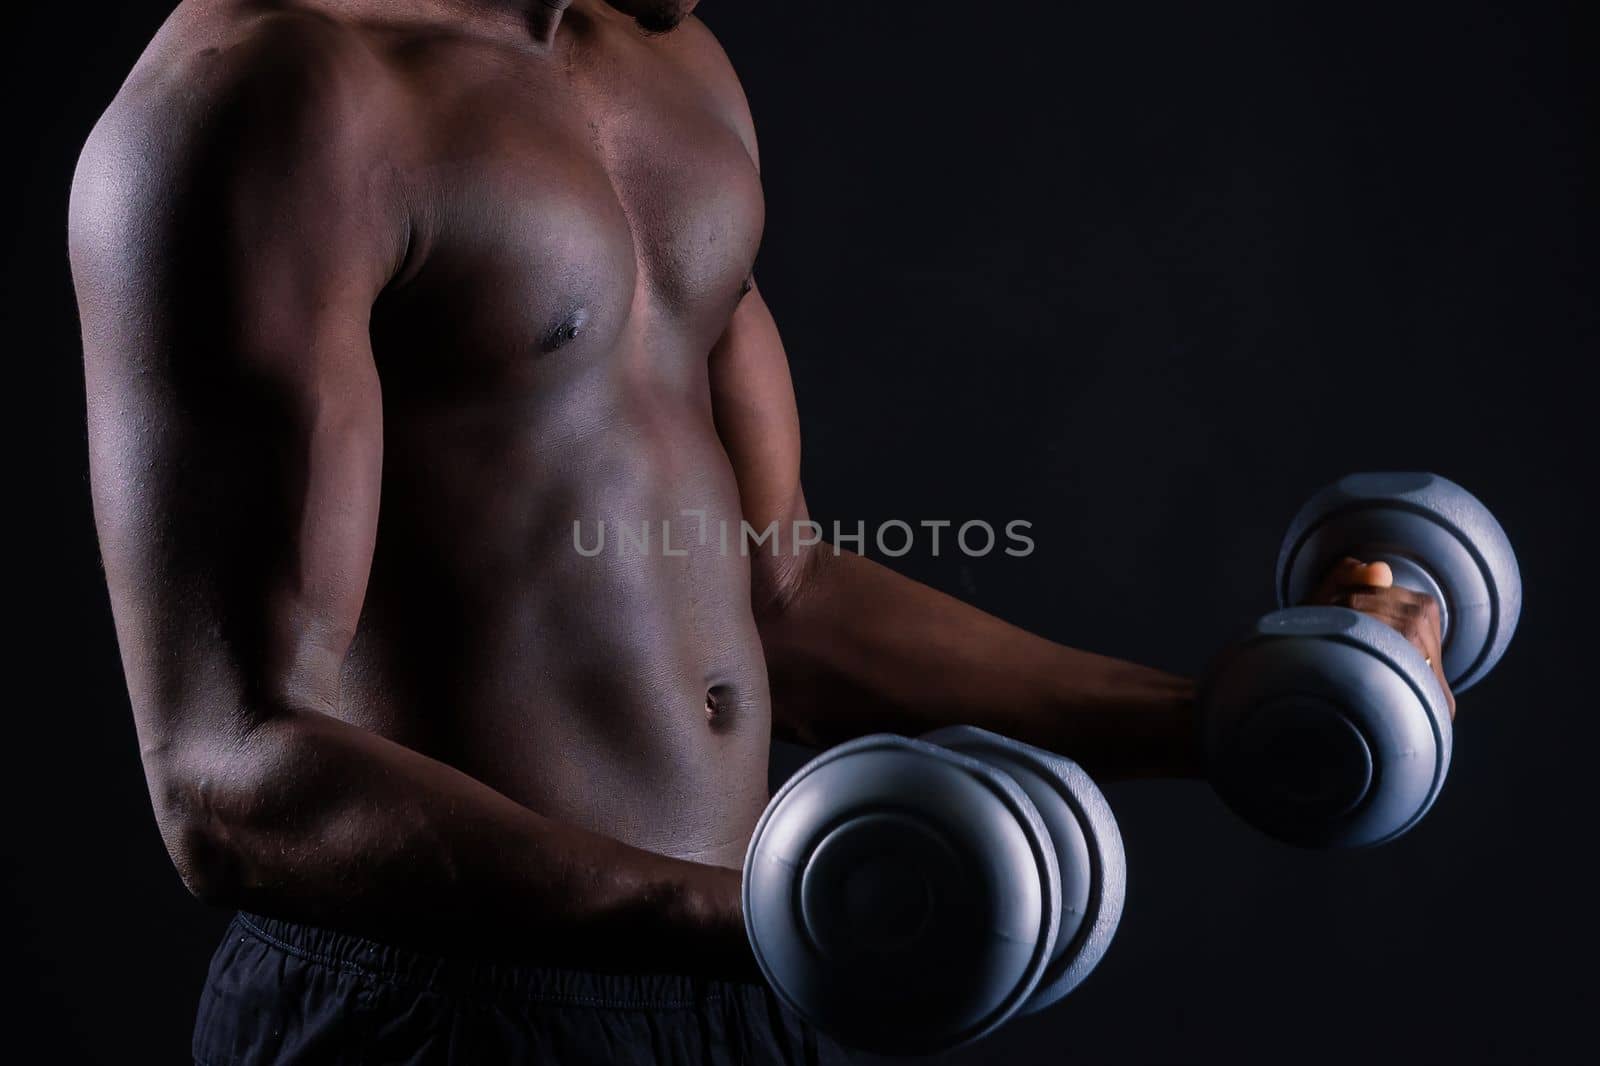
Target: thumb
pixel 1377 575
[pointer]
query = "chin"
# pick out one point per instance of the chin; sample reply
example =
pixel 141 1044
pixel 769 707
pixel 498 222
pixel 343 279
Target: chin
pixel 656 16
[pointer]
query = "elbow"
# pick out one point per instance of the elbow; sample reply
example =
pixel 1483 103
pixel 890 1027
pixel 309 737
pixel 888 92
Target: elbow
pixel 783 581
pixel 792 615
pixel 208 869
pixel 198 826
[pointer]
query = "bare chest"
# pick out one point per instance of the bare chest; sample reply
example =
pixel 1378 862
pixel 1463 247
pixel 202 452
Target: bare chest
pixel 570 215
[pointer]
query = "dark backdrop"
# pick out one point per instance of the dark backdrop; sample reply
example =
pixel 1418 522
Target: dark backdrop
pixel 1143 274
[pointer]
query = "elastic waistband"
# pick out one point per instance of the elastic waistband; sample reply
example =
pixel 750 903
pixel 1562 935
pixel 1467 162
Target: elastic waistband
pixel 534 983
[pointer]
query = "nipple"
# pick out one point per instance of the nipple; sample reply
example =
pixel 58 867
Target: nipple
pixel 566 331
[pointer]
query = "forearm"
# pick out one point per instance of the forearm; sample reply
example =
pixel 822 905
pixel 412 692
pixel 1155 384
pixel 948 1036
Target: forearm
pixel 319 821
pixel 859 649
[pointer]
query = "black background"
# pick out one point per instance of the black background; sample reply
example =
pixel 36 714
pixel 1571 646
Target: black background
pixel 1143 274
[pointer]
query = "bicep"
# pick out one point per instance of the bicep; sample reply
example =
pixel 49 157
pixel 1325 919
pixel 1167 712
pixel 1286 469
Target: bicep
pixel 237 511
pixel 235 427
pixel 753 402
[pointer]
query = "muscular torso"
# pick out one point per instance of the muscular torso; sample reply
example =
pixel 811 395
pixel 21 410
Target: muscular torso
pixel 582 222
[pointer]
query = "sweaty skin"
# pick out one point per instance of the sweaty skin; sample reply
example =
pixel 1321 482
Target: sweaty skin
pixel 379 297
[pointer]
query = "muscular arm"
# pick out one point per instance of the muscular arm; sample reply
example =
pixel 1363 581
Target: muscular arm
pixel 852 647
pixel 235 428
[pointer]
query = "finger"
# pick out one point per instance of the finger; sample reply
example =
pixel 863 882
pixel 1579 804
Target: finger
pixel 1385 603
pixel 1435 617
pixel 1378 575
pixel 1410 617
pixel 1418 622
pixel 1421 599
pixel 1432 639
pixel 1435 656
pixel 1341 574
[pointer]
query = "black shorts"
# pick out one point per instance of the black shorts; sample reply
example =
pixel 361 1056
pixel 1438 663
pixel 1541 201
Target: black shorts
pixel 285 993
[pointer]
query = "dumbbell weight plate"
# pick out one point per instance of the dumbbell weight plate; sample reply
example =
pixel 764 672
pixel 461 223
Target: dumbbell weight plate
pixel 1438 538
pixel 903 897
pixel 1088 845
pixel 1325 727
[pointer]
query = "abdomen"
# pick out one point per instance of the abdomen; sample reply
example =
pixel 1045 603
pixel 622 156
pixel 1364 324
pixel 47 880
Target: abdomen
pixel 571 673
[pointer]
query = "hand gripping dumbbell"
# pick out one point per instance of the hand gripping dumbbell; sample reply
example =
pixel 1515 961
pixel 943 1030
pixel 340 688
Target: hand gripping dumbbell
pixel 907 896
pixel 1324 727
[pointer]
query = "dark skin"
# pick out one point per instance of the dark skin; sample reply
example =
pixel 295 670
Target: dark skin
pixel 378 297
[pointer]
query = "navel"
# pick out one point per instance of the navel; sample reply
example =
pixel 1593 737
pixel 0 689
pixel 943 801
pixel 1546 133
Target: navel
pixel 719 709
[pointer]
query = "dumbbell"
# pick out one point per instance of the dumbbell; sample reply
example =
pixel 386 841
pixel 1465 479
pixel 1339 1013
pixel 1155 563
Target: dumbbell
pixel 909 895
pixel 1324 727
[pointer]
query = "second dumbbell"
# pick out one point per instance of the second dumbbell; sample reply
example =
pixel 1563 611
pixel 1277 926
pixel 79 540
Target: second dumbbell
pixel 908 896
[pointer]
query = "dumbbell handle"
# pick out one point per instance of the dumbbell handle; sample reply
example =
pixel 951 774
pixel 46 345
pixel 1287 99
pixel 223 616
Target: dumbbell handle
pixel 1410 574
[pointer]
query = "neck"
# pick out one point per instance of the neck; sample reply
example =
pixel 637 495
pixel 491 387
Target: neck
pixel 543 18
pixel 540 18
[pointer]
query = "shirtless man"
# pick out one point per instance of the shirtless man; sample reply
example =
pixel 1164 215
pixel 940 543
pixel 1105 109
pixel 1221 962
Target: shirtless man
pixel 379 297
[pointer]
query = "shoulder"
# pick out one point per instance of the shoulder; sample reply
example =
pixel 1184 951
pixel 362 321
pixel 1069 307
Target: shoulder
pixel 278 65
pixel 233 102
pixel 704 55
